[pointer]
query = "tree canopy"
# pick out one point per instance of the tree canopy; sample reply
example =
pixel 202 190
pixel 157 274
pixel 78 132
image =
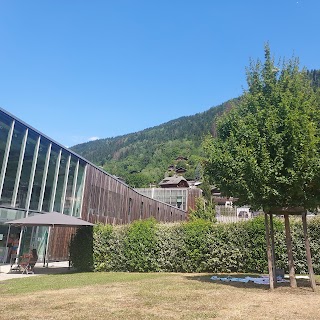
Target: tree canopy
pixel 267 150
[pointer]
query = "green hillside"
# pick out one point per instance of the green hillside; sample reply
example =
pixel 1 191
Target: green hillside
pixel 143 157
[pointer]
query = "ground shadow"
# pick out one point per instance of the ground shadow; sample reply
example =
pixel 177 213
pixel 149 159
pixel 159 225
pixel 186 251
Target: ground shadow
pixel 303 284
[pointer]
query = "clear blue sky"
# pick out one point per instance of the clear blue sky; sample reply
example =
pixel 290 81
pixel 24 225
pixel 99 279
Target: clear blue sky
pixel 78 69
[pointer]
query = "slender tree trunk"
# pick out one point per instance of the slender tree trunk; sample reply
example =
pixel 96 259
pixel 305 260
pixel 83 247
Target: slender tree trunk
pixel 269 254
pixel 273 251
pixel 293 281
pixel 308 251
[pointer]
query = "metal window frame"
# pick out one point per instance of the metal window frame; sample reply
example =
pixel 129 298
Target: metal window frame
pixel 82 192
pixel 55 182
pixel 19 169
pixel 6 156
pixel 75 181
pixel 32 174
pixel 44 178
pixel 65 184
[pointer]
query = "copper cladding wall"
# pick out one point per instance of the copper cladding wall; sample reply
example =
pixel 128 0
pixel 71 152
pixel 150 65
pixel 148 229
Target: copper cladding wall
pixel 108 200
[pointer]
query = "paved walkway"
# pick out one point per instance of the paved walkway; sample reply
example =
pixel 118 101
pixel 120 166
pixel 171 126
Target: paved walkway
pixel 53 268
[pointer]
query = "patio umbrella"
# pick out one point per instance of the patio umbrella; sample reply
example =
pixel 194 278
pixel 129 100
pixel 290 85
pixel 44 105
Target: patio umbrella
pixel 50 219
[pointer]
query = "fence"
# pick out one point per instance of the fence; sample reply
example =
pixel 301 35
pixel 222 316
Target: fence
pixel 232 214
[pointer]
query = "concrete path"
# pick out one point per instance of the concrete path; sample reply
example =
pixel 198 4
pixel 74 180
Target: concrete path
pixel 53 268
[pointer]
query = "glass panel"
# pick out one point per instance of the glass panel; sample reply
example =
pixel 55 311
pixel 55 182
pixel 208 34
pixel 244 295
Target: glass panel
pixel 61 175
pixel 13 160
pixel 5 124
pixel 36 188
pixel 13 239
pixel 50 177
pixel 9 214
pixel 68 202
pixel 79 189
pixel 40 240
pixel 26 169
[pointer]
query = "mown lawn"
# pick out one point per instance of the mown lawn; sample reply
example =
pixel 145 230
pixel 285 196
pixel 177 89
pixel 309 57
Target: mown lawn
pixel 151 296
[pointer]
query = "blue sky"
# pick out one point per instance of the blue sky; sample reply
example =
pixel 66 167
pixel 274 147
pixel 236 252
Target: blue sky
pixel 78 69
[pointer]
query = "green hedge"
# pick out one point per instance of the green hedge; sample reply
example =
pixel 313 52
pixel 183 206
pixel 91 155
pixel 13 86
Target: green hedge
pixel 199 246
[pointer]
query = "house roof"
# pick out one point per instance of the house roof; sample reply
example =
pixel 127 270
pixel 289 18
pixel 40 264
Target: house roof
pixel 175 180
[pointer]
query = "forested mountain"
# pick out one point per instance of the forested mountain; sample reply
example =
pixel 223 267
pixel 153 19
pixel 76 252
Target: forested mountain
pixel 314 75
pixel 142 158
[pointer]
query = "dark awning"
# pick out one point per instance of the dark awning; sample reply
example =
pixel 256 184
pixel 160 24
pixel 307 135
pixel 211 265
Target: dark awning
pixel 50 219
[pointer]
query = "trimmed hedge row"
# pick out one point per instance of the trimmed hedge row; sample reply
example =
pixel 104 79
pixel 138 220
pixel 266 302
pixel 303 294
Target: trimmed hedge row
pixel 198 246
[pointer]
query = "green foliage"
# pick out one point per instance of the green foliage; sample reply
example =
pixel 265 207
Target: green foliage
pixel 81 249
pixel 267 149
pixel 101 250
pixel 200 246
pixel 195 245
pixel 204 210
pixel 140 246
pixel 170 247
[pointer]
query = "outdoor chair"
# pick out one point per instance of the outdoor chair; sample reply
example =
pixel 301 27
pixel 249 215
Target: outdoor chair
pixel 27 263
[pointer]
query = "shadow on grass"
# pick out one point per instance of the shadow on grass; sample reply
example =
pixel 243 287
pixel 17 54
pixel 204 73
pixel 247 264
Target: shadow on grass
pixel 303 284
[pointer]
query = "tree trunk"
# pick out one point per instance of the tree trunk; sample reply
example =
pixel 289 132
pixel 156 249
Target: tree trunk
pixel 308 252
pixel 270 264
pixel 293 281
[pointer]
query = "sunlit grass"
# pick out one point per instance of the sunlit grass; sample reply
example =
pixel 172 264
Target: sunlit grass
pixel 151 296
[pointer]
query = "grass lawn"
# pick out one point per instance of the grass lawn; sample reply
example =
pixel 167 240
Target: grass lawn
pixel 152 296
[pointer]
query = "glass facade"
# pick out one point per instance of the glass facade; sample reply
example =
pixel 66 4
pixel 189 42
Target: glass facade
pixel 36 176
pixel 177 197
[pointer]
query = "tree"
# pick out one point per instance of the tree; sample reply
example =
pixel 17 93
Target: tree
pixel 266 152
pixel 203 210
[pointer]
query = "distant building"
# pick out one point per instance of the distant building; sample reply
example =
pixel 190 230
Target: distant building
pixel 182 198
pixel 218 199
pixel 181 170
pixel 174 182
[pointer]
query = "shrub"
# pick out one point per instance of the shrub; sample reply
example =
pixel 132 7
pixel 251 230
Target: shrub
pixel 81 249
pixel 199 246
pixel 140 246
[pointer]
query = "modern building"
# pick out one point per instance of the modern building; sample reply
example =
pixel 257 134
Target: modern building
pixel 183 198
pixel 39 175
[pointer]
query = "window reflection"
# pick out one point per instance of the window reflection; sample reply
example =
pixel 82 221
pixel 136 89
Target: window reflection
pixel 5 124
pixel 50 178
pixel 71 176
pixel 61 177
pixel 26 169
pixel 42 154
pixel 13 160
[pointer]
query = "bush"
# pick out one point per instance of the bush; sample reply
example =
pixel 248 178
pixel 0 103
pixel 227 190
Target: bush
pixel 204 210
pixel 81 249
pixel 140 247
pixel 199 246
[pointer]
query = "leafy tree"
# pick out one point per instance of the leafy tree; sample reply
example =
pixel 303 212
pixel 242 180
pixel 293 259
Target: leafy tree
pixel 267 149
pixel 203 210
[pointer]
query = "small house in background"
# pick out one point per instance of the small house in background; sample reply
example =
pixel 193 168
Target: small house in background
pixel 220 200
pixel 181 170
pixel 174 182
pixel 171 168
